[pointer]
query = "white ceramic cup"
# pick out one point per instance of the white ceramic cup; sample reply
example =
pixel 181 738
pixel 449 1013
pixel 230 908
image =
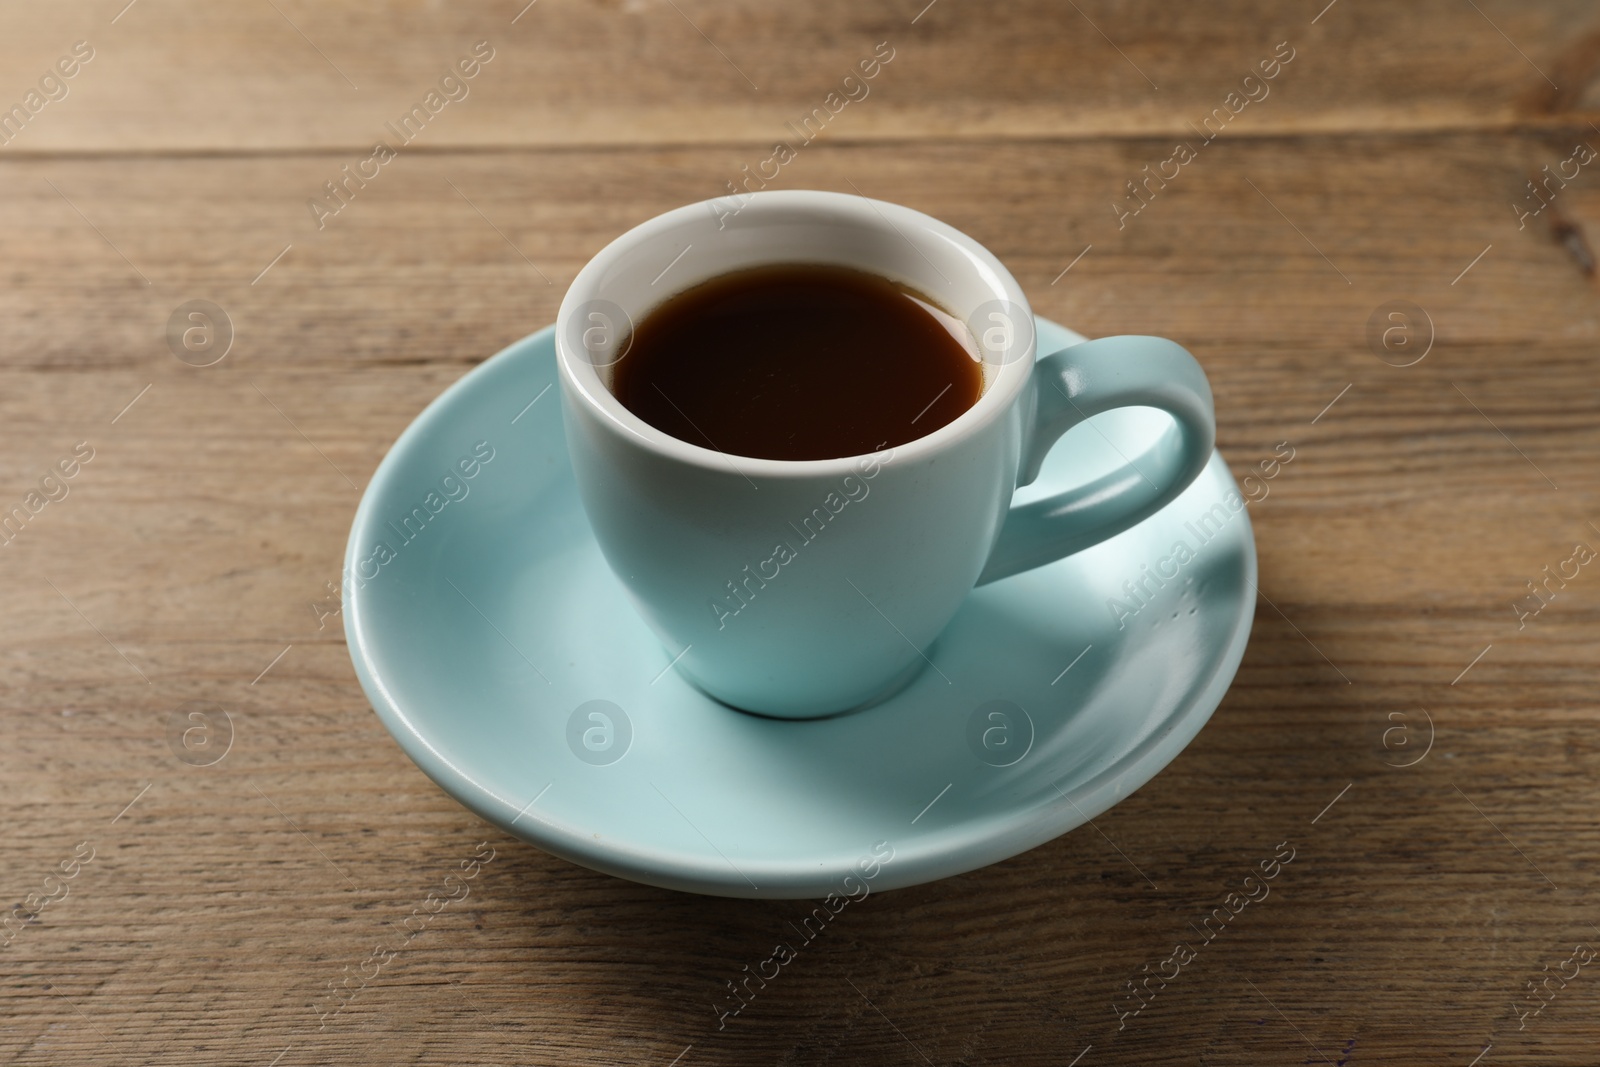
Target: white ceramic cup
pixel 805 588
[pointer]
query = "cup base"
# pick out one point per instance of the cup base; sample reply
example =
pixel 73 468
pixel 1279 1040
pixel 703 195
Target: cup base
pixel 890 690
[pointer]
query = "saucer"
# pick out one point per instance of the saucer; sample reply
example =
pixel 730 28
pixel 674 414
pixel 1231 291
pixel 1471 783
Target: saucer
pixel 503 655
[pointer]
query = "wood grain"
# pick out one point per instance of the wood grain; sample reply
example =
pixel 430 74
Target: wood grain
pixel 631 72
pixel 194 548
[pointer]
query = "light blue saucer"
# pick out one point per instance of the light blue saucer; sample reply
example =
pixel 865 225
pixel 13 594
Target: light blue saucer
pixel 505 658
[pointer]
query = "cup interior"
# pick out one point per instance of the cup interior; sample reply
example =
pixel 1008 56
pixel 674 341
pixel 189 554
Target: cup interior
pixel 964 284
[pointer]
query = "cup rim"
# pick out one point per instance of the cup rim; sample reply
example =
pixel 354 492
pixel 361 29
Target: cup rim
pixel 582 380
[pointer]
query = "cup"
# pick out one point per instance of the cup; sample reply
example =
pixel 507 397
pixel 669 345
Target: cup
pixel 799 589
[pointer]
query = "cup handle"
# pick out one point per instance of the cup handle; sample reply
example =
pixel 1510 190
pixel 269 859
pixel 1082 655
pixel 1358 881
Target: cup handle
pixel 1084 380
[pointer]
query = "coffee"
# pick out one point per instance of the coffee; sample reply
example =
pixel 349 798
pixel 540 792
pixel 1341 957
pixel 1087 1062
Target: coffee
pixel 798 362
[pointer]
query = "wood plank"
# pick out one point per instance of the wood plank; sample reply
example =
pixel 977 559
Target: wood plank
pixel 249 78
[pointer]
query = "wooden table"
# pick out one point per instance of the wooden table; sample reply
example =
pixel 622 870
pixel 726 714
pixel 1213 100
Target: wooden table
pixel 1421 733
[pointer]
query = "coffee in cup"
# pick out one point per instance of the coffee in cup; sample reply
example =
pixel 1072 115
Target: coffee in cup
pixel 798 361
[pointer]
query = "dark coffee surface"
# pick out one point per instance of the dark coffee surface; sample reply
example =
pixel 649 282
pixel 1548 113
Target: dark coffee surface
pixel 796 362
